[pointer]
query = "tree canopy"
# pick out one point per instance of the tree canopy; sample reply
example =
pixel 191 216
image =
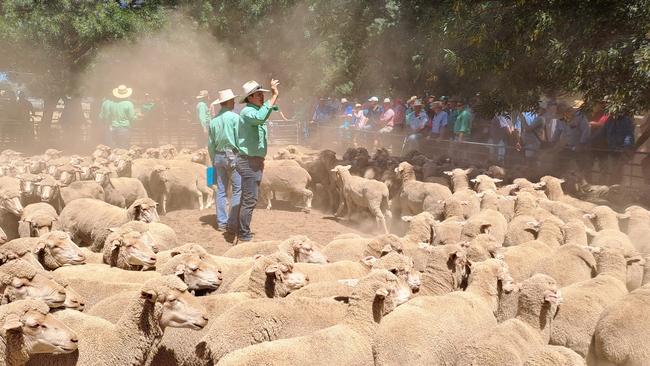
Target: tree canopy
pixel 510 52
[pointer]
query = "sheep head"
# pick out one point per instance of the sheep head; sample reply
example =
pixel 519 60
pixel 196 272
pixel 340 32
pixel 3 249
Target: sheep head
pixel 539 299
pixel 73 300
pixel 198 273
pixel 127 246
pixel 39 224
pixel 27 184
pixel 152 153
pixel 53 153
pixel 136 151
pixel 59 249
pixel 200 156
pixel 36 165
pixel 274 276
pixel 168 152
pixel 48 188
pixel 40 331
pixel 20 280
pixel 68 173
pixel 123 164
pixel 305 251
pixel 102 176
pixel 143 209
pixel 179 308
pixel 10 201
pixel 403 267
pixel 381 291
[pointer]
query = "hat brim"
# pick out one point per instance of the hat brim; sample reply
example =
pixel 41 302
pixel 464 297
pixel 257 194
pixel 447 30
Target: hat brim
pixel 218 101
pixel 116 93
pixel 243 99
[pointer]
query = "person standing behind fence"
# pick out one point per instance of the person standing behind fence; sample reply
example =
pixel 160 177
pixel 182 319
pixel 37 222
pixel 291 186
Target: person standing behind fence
pixel 122 114
pixel 252 145
pixel 416 121
pixel 439 121
pixel 222 146
pixel 463 123
pixel 203 110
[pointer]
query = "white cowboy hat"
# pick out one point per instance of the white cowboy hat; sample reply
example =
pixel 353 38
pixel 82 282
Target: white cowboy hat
pixel 386 100
pixel 344 100
pixel 373 99
pixel 251 87
pixel 122 92
pixel 202 94
pixel 224 96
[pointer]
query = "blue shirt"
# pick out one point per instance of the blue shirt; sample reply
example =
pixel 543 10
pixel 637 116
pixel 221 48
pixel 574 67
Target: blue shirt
pixel 417 121
pixel 439 121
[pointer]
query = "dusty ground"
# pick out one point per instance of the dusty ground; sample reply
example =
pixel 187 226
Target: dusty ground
pixel 199 226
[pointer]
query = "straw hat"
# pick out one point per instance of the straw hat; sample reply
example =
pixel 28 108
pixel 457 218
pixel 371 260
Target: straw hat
pixel 122 92
pixel 386 100
pixel 202 94
pixel 224 96
pixel 577 104
pixel 251 87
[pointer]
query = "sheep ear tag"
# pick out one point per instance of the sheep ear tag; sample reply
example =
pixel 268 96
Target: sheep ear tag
pixel 12 322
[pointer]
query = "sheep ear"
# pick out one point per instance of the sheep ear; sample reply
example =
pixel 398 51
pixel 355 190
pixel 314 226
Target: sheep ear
pixel 381 293
pixel 480 194
pixel 407 218
pixel 635 259
pixel 115 244
pixel 39 246
pixel 448 172
pixel 485 229
pixel 369 261
pixel 468 170
pixel 272 269
pixel 561 181
pixel 474 180
pixel 180 269
pixel 497 180
pixel 623 216
pixel 12 322
pixel 150 295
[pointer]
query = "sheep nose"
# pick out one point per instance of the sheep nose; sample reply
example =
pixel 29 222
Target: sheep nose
pixel 204 317
pixel 74 339
pixel 153 259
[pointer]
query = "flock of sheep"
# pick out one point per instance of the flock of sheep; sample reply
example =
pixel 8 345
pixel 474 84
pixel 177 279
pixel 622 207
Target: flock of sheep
pixel 488 271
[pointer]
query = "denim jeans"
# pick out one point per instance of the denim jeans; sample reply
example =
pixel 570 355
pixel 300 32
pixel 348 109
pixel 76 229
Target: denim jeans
pixel 250 168
pixel 225 174
pixel 120 137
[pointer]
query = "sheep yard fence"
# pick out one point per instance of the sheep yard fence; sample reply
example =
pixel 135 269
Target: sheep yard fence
pixel 547 161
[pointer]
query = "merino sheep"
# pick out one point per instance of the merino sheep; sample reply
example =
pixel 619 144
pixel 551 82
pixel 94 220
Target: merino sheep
pixel 583 302
pixel 554 356
pixel 432 328
pixel 349 343
pixel 37 219
pixel 126 249
pixel 50 251
pixel 568 264
pixel 11 208
pixel 28 329
pixel 638 228
pixel 160 303
pixel 416 197
pixel 111 194
pixel 51 192
pixel 176 187
pixel 299 247
pixel 363 193
pixel 89 220
pixel 264 320
pixel 271 276
pixel 3 236
pixel 621 336
pixel 288 180
pixel 159 236
pixel 320 172
pixel 514 340
pixel 486 222
pixel 199 273
pixel 446 270
pixel 21 280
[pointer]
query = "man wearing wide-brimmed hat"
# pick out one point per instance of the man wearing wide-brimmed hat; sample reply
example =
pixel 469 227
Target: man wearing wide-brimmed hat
pixel 203 110
pixel 122 114
pixel 252 145
pixel 222 146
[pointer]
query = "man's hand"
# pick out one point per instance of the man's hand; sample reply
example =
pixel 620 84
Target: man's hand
pixel 274 86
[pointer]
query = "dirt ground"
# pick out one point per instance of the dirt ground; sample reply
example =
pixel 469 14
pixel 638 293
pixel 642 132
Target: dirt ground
pixel 277 224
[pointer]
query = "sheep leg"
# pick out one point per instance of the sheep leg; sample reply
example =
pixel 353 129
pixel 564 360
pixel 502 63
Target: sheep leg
pixel 379 217
pixel 199 196
pixel 307 196
pixel 209 197
pixel 163 204
pixel 348 203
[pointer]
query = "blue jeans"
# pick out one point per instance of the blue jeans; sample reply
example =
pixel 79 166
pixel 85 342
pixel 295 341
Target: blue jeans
pixel 224 169
pixel 120 137
pixel 250 168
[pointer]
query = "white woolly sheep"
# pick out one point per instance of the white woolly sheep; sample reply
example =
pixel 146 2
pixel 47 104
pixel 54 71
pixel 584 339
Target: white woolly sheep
pixel 89 220
pixel 299 247
pixel 362 193
pixel 21 280
pixel 347 343
pixel 51 192
pixel 485 222
pixel 568 264
pixel 175 187
pixel 416 196
pixel 37 219
pixel 50 251
pixel 554 356
pixel 583 302
pixel 29 329
pixel 160 303
pixel 111 194
pixel 287 180
pixel 126 249
pixel 446 270
pixel 432 328
pixel 514 340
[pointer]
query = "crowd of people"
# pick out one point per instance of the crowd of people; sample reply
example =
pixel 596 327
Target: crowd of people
pixel 582 134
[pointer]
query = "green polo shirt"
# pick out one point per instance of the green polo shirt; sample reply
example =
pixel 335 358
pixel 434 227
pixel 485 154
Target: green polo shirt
pixel 253 130
pixel 222 134
pixel 203 113
pixel 122 113
pixel 105 112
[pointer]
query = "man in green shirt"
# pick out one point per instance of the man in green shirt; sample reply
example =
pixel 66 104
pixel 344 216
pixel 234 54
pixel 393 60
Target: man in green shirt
pixel 122 114
pixel 463 123
pixel 203 110
pixel 222 145
pixel 252 144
